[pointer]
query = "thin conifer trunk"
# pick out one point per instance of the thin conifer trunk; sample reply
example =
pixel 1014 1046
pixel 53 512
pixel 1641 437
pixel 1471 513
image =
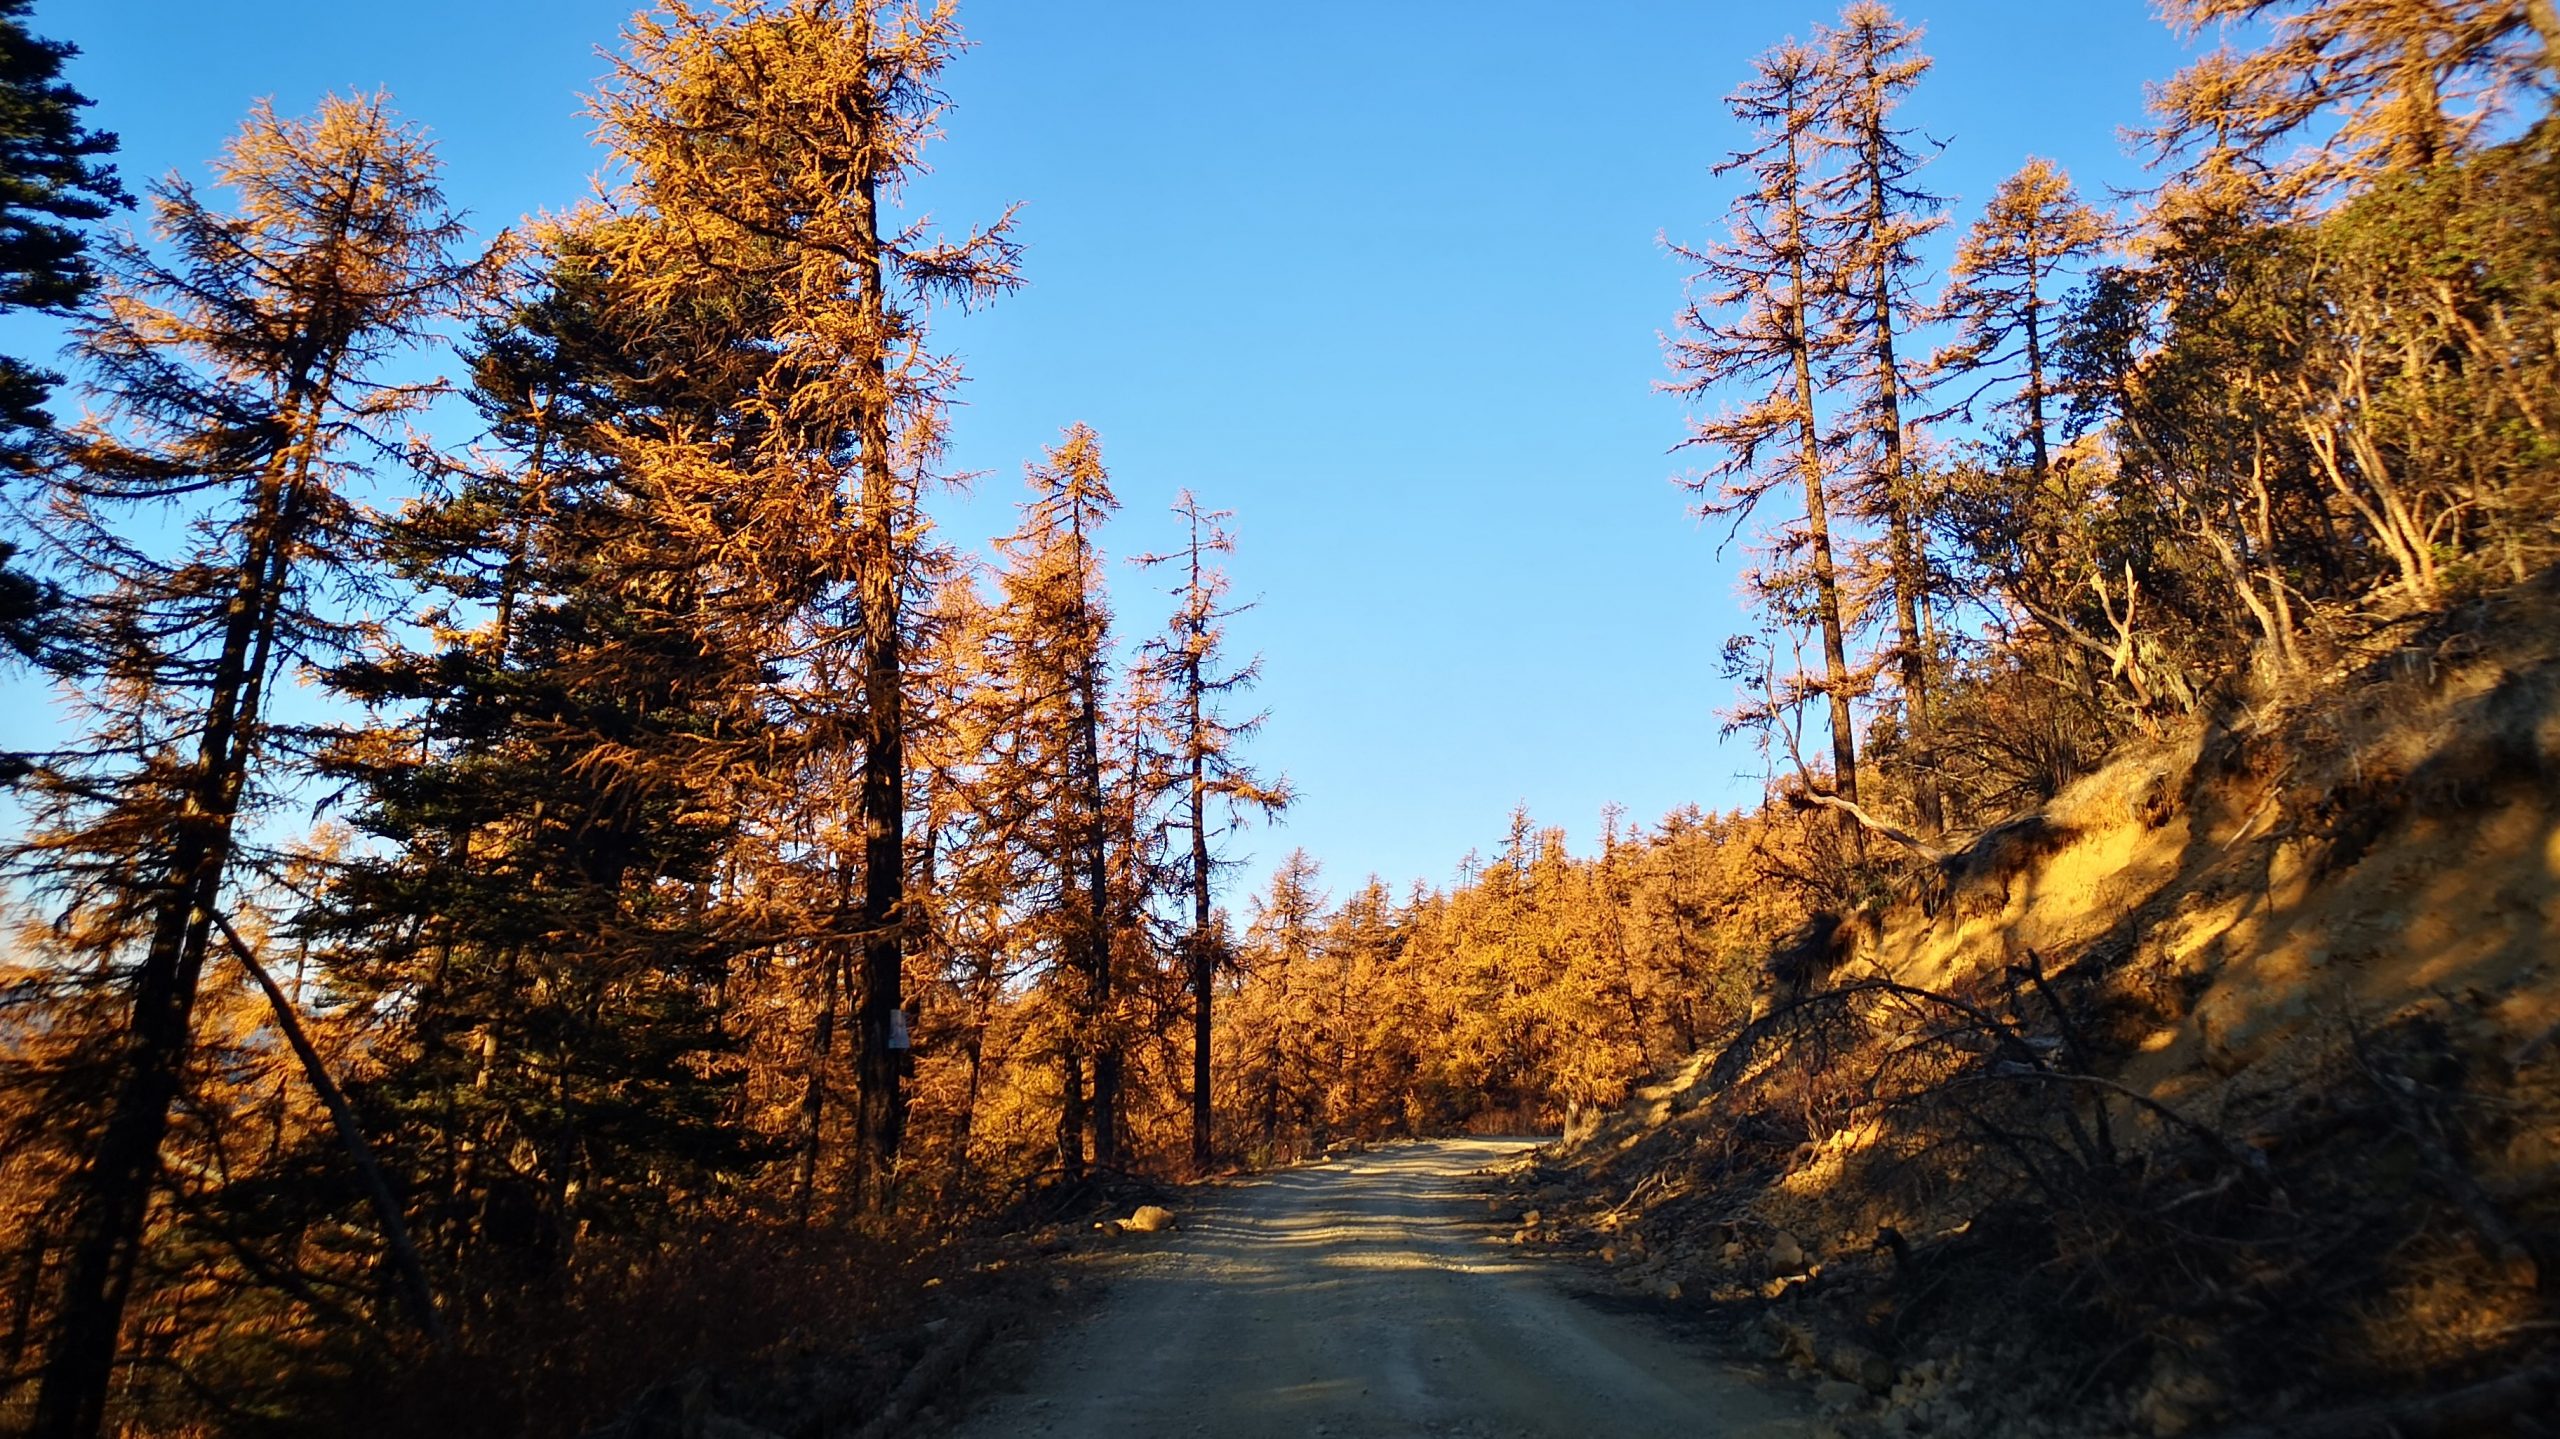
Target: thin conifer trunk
pixel 108 1222
pixel 1104 1114
pixel 1817 514
pixel 1204 958
pixel 881 1101
pixel 1910 565
pixel 342 1116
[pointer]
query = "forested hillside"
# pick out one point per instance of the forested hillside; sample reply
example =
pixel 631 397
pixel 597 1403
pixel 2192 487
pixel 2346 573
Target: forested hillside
pixel 523 905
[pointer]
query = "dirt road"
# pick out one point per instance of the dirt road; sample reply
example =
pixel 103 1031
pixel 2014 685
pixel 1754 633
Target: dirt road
pixel 1366 1298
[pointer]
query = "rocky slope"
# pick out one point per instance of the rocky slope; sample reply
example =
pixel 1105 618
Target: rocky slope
pixel 2223 1091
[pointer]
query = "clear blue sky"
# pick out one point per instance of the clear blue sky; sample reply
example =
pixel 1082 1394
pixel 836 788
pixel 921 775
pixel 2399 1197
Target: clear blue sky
pixel 1381 277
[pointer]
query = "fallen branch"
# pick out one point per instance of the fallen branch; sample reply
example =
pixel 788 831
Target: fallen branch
pixel 395 1231
pixel 1870 823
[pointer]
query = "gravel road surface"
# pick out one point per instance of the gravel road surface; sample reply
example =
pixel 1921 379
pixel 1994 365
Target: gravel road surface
pixel 1367 1297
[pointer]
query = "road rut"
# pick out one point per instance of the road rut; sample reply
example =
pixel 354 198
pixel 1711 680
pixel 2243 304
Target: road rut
pixel 1366 1297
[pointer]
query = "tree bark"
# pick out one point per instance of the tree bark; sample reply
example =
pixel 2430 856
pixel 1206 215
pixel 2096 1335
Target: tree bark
pixel 1204 957
pixel 1071 1110
pixel 1104 1114
pixel 881 1101
pixel 813 1096
pixel 1817 515
pixel 107 1226
pixel 1910 565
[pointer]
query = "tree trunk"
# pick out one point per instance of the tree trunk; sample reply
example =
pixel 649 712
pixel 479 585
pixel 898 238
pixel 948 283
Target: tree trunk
pixel 1105 1112
pixel 1910 565
pixel 106 1231
pixel 1071 1111
pixel 1817 516
pixel 1204 957
pixel 881 1101
pixel 2038 456
pixel 813 1097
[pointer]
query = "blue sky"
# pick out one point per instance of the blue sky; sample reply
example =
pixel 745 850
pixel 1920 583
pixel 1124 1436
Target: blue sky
pixel 1382 278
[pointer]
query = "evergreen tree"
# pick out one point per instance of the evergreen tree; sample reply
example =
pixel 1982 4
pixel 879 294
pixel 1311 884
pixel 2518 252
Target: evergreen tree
pixel 764 137
pixel 54 181
pixel 555 781
pixel 235 365
pixel 1202 745
pixel 1754 318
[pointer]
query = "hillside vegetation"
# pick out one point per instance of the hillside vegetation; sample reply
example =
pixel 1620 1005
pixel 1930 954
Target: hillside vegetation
pixel 2223 1086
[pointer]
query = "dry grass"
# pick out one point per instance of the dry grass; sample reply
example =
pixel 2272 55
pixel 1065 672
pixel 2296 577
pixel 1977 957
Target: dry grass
pixel 2224 1086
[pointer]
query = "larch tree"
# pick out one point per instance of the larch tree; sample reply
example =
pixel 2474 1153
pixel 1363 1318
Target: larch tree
pixel 2004 295
pixel 975 866
pixel 1754 318
pixel 1280 1027
pixel 769 139
pixel 2402 83
pixel 1873 210
pixel 1058 640
pixel 1202 745
pixel 235 367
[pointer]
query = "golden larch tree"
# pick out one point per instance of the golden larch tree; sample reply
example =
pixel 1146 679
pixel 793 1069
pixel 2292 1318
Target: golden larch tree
pixel 235 367
pixel 768 140
pixel 1754 320
pixel 1874 210
pixel 1202 745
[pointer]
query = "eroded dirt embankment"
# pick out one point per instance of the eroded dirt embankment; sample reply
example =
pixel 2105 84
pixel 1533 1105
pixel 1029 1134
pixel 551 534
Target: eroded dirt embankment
pixel 2222 1092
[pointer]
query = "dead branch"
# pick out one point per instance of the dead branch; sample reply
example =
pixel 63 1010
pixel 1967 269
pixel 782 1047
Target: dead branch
pixel 1810 797
pixel 2446 1168
pixel 395 1231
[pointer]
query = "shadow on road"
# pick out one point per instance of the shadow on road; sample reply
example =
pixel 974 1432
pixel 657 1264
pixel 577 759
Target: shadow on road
pixel 1366 1297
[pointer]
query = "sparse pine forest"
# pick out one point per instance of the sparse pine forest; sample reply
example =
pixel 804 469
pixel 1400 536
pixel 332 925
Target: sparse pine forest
pixel 546 880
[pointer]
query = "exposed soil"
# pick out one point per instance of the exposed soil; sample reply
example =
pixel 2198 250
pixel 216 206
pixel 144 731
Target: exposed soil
pixel 2222 1091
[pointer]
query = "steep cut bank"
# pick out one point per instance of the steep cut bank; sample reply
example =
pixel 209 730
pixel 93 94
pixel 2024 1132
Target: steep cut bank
pixel 2223 1091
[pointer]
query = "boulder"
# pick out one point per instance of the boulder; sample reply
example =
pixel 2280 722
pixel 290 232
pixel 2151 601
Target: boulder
pixel 1785 1255
pixel 1860 1365
pixel 1839 1396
